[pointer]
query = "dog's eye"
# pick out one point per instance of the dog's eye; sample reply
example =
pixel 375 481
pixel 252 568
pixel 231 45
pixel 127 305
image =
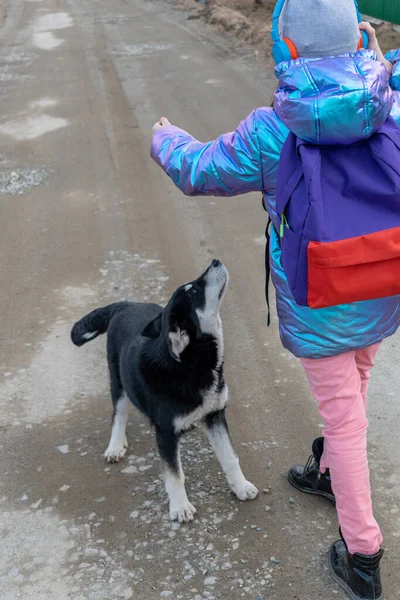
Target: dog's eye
pixel 190 288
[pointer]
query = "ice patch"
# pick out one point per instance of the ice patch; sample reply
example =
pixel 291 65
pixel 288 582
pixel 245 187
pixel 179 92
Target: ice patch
pixel 54 381
pixel 44 103
pixel 139 49
pixel 43 36
pixel 43 558
pixel 32 549
pixel 17 57
pixel 31 127
pixel 5 77
pixel 46 40
pixel 61 376
pixel 52 21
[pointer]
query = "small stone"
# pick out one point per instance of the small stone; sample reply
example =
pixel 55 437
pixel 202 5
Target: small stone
pixel 253 526
pixel 235 546
pixel 134 514
pixel 210 581
pixel 292 500
pixel 129 470
pixel 64 449
pixel 267 508
pixel 266 491
pixel 275 560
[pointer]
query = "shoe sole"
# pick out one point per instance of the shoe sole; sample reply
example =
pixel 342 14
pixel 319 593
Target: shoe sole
pixel 329 497
pixel 344 585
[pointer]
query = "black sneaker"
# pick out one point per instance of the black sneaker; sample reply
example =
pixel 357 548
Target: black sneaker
pixel 309 479
pixel 358 575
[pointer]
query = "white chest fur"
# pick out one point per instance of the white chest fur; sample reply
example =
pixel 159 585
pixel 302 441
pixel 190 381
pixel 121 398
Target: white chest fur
pixel 213 400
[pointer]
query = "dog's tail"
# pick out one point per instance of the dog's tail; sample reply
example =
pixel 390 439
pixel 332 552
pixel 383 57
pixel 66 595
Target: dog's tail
pixel 93 324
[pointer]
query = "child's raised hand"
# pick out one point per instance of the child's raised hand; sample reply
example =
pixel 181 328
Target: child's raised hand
pixel 374 45
pixel 163 122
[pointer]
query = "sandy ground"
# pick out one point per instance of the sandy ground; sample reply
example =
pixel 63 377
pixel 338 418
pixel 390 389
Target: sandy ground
pixel 87 218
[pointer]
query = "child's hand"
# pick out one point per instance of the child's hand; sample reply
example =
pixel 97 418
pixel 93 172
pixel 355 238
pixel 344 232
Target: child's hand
pixel 374 45
pixel 163 122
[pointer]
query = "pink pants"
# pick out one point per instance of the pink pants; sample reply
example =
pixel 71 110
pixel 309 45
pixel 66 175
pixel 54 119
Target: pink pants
pixel 340 385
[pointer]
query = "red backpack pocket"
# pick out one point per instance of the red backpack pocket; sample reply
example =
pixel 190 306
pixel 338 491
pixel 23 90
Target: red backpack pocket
pixel 354 269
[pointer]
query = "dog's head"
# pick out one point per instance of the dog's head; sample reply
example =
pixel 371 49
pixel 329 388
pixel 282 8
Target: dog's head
pixel 192 311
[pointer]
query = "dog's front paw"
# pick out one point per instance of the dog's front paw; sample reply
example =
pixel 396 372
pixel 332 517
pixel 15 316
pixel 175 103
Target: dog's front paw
pixel 183 512
pixel 245 490
pixel 115 453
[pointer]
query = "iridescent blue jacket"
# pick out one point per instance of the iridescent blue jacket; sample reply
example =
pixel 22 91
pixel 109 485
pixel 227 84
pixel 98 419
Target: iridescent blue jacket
pixel 324 101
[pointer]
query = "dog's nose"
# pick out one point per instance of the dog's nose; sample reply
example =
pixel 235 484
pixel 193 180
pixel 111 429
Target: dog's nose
pixel 216 263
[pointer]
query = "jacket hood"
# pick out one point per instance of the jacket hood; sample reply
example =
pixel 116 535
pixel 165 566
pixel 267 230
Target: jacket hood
pixel 333 100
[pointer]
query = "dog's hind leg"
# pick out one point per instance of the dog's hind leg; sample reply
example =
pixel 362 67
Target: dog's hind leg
pixel 180 508
pixel 118 442
pixel 218 434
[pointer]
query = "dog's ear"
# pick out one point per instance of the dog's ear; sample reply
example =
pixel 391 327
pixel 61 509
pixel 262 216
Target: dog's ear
pixel 178 339
pixel 153 329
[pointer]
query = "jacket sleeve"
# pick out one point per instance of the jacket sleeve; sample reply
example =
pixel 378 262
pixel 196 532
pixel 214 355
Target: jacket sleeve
pixel 229 166
pixel 394 57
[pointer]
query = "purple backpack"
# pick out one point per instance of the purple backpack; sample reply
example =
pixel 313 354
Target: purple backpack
pixel 339 209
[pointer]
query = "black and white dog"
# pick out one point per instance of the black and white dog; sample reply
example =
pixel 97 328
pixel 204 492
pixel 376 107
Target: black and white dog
pixel 169 364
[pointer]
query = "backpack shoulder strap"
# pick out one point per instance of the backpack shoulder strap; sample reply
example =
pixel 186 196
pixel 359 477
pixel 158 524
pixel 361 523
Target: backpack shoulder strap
pixel 290 172
pixel 297 161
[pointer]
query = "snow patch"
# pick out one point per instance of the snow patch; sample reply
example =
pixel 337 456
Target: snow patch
pixel 32 127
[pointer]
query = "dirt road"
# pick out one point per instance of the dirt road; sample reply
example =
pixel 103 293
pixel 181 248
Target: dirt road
pixel 87 218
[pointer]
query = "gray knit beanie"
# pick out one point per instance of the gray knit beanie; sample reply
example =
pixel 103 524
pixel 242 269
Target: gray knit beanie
pixel 320 27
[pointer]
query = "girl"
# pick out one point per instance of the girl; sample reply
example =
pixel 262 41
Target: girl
pixel 337 345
